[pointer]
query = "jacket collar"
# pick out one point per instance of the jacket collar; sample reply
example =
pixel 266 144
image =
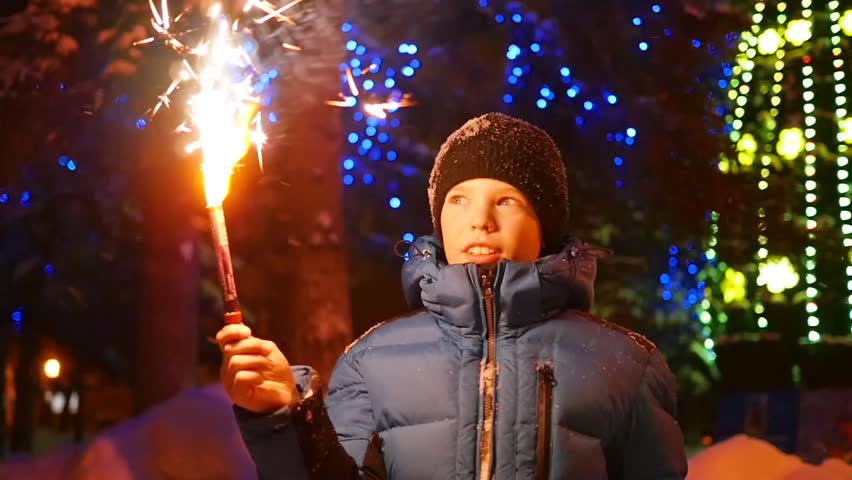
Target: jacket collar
pixel 525 292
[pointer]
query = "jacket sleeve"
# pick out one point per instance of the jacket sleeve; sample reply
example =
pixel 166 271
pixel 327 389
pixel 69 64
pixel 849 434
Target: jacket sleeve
pixel 301 443
pixel 653 446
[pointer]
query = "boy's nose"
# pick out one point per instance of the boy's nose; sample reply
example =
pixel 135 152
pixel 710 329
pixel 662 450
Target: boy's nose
pixel 483 219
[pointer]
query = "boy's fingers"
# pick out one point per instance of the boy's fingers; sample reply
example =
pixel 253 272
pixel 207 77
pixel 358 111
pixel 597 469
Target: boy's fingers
pixel 252 346
pixel 232 333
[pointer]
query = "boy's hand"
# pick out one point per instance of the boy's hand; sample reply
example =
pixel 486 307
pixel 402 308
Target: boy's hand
pixel 255 373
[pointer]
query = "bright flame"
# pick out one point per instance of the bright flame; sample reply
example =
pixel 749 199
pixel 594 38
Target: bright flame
pixel 223 112
pixel 52 367
pixel 777 274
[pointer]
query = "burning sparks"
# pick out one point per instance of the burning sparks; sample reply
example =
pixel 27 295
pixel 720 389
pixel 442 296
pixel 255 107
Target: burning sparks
pixel 219 57
pixel 376 108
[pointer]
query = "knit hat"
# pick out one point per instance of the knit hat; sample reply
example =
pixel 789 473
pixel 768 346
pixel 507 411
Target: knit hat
pixel 511 150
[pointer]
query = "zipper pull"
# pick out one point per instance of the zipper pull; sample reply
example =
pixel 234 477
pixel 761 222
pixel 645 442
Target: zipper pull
pixel 486 278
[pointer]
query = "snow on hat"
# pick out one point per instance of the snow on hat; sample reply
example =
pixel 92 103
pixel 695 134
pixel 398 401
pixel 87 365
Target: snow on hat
pixel 511 150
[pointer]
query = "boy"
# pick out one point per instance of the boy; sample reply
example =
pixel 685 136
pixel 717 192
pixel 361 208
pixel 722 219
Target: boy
pixel 500 373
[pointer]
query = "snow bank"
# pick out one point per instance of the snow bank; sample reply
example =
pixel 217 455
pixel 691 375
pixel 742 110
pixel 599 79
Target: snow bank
pixel 746 458
pixel 192 436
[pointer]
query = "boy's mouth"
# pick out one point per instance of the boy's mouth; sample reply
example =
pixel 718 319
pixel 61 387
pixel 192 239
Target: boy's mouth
pixel 481 253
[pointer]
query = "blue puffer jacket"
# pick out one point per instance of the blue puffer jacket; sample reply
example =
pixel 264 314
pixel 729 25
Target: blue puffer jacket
pixel 499 375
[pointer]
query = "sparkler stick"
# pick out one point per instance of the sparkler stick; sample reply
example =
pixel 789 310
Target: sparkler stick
pixel 225 110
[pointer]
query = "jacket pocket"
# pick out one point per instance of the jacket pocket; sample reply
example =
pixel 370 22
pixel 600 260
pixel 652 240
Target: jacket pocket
pixel 546 381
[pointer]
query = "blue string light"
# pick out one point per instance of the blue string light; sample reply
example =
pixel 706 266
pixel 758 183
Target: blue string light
pixel 370 138
pixel 18 320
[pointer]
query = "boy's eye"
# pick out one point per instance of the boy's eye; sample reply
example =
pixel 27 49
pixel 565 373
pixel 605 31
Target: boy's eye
pixel 457 200
pixel 507 201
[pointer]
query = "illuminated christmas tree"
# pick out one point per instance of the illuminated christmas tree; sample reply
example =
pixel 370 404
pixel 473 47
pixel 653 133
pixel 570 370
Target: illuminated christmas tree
pixel 780 266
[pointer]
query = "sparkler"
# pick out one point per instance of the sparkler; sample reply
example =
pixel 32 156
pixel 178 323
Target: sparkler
pixel 218 59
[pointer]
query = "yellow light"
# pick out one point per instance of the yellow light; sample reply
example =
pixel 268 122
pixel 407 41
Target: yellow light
pixel 223 112
pixel 777 274
pixel 768 42
pixel 733 286
pixel 747 143
pixel 798 32
pixel 52 367
pixel 791 142
pixel 846 22
pixel 813 336
pixel 746 146
pixel 844 130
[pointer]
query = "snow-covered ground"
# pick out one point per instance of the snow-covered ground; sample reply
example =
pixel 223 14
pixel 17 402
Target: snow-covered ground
pixel 746 458
pixel 193 436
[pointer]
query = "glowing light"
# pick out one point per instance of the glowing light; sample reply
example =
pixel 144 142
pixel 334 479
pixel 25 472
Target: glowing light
pixel 844 130
pixel 733 286
pixel 52 368
pixel 791 143
pixel 768 42
pixel 224 111
pixel 846 23
pixel 777 274
pixel 798 32
pixel 746 146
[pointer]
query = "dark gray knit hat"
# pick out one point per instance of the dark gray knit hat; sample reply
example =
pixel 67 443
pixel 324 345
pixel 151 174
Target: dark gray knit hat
pixel 511 150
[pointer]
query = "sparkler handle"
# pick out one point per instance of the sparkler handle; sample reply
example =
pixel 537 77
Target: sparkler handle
pixel 226 269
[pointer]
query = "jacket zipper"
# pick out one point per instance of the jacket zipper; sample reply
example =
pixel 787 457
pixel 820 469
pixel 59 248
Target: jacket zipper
pixel 545 408
pixel 488 379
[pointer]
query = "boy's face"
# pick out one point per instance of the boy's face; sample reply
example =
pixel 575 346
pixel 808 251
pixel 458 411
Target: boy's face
pixel 484 220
